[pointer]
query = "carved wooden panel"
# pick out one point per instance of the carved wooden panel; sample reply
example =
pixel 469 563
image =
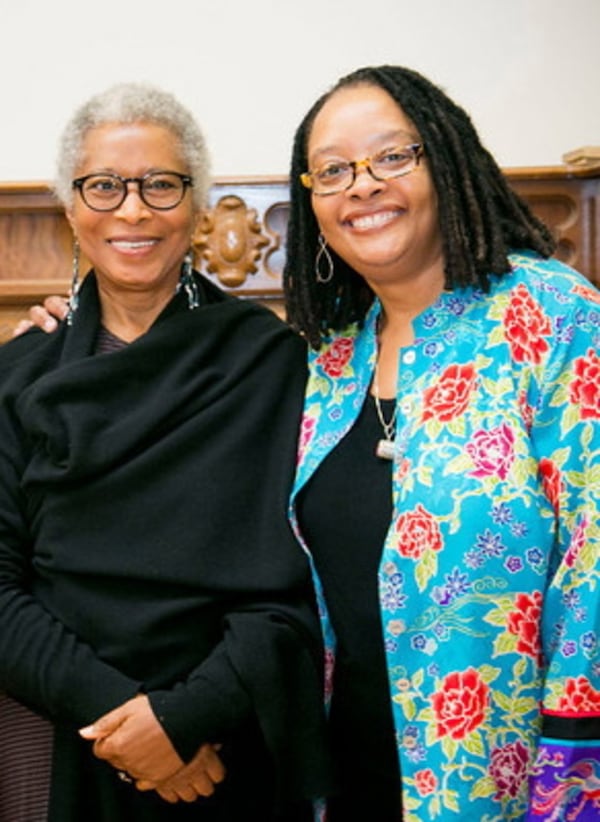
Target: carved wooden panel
pixel 240 243
pixel 569 203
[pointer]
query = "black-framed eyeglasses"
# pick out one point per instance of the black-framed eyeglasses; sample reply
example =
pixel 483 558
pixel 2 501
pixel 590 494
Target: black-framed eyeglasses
pixel 159 190
pixel 336 176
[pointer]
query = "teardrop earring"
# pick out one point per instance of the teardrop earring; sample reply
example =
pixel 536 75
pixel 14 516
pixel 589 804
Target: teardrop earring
pixel 323 252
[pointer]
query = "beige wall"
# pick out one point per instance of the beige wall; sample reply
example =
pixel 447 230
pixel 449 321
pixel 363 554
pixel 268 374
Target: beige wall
pixel 527 70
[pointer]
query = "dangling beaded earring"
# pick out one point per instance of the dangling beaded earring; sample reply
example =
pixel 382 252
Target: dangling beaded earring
pixel 323 251
pixel 188 283
pixel 75 284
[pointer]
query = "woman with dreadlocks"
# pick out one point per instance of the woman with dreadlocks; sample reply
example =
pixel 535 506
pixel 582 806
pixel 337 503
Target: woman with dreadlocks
pixel 449 466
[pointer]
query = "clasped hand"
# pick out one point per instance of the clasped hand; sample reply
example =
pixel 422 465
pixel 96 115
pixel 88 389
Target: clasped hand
pixel 131 739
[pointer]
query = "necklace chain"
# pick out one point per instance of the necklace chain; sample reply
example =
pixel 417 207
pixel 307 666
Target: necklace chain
pixel 389 426
pixel 385 447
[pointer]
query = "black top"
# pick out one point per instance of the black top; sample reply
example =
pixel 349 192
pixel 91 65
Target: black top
pixel 344 513
pixel 144 546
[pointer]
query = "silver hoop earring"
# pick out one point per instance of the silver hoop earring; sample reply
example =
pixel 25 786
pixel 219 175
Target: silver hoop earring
pixel 188 283
pixel 323 252
pixel 75 284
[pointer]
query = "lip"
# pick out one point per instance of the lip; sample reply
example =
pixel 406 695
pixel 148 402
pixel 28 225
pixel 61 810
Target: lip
pixel 372 220
pixel 133 244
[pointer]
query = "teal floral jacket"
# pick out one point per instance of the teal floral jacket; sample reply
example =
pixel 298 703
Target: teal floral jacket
pixel 489 582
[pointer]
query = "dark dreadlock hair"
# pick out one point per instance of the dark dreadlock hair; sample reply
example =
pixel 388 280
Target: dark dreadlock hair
pixel 480 217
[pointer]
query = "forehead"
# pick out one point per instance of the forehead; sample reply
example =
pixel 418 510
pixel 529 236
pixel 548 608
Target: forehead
pixel 358 118
pixel 131 147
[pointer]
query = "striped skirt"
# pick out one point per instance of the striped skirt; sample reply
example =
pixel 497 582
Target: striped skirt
pixel 25 763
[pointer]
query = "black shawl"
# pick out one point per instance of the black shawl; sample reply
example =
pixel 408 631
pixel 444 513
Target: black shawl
pixel 143 536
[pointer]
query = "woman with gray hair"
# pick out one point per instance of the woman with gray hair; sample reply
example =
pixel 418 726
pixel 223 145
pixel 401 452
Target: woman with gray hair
pixel 153 607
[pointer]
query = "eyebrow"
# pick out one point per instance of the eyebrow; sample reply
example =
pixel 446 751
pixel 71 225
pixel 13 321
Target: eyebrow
pixel 112 172
pixel 384 137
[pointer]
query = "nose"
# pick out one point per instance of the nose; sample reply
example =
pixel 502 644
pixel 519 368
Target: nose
pixel 364 184
pixel 133 208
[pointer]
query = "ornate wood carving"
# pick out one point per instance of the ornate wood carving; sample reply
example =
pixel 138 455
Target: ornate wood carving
pixel 229 239
pixel 240 244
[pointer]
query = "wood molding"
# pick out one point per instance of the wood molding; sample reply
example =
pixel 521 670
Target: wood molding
pixel 240 244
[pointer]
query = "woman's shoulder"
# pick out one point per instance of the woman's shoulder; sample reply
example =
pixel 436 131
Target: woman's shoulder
pixel 26 358
pixel 528 266
pixel 26 348
pixel 548 281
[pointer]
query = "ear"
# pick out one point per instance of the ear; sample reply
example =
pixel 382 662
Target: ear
pixel 71 219
pixel 197 218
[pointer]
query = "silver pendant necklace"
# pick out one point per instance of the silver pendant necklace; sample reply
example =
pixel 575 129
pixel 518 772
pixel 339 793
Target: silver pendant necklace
pixel 385 447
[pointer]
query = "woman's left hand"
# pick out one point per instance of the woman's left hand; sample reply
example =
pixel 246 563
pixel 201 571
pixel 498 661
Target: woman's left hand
pixel 132 739
pixel 198 778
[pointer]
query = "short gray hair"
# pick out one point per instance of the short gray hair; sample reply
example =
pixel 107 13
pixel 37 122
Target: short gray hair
pixel 133 103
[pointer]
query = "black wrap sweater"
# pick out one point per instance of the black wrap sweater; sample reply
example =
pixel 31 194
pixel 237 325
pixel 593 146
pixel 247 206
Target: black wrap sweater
pixel 144 547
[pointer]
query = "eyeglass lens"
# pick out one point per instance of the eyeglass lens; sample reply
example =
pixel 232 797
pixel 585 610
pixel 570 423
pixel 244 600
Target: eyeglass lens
pixel 338 176
pixel 105 192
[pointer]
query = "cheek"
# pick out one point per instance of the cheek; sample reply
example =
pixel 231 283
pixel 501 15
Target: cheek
pixel 184 227
pixel 85 224
pixel 324 214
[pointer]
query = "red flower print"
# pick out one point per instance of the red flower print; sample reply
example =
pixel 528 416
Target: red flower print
pixel 336 356
pixel 526 410
pixel 584 391
pixel 449 397
pixel 492 451
pixel 579 697
pixel 426 782
pixel 417 532
pixel 526 326
pixel 588 293
pixel 576 544
pixel 551 481
pixel 403 470
pixel 508 769
pixel 461 704
pixel 524 622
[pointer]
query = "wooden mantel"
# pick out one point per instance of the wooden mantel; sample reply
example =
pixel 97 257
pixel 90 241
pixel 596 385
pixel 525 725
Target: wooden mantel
pixel 240 243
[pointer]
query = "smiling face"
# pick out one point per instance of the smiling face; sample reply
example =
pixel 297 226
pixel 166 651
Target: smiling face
pixel 386 230
pixel 134 248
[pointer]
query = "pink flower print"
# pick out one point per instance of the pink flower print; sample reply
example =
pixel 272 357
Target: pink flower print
pixel 577 543
pixel 508 769
pixel 307 431
pixel 492 451
pixel 329 667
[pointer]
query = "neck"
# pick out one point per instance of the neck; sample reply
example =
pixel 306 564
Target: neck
pixel 130 316
pixel 401 303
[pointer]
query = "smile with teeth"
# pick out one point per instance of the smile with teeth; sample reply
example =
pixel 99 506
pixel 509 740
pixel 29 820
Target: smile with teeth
pixel 132 243
pixel 373 220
